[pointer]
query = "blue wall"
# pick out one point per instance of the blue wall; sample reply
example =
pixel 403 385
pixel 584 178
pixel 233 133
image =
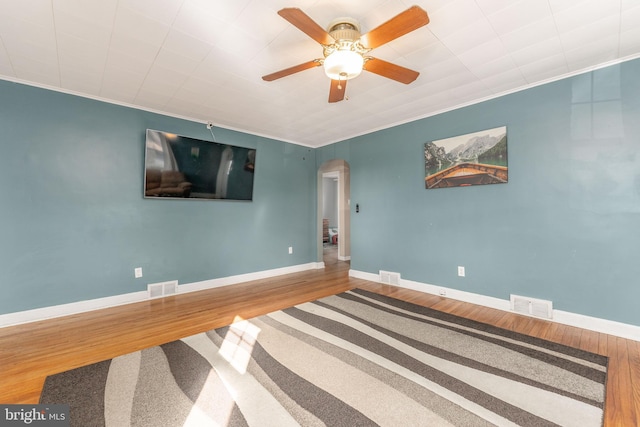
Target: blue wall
pixel 566 227
pixel 74 224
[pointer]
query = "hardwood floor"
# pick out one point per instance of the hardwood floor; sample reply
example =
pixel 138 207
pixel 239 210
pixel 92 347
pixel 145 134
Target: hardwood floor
pixel 30 352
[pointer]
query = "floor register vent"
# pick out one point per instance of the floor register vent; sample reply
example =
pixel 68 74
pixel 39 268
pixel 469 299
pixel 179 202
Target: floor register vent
pixel 532 307
pixel 157 290
pixel 389 277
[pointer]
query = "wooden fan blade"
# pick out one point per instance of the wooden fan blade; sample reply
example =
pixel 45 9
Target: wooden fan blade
pixel 337 90
pixel 304 23
pixel 291 70
pixel 409 20
pixel 390 71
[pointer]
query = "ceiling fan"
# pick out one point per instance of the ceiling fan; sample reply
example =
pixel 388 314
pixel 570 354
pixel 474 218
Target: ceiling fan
pixel 345 50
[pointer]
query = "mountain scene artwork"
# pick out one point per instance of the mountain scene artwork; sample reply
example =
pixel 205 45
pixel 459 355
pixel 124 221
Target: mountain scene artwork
pixel 472 159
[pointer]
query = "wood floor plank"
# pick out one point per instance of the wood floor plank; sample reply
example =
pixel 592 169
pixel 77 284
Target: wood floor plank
pixel 620 408
pixel 589 341
pixel 572 336
pixel 634 366
pixel 30 352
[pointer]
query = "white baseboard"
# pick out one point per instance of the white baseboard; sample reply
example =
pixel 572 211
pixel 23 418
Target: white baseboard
pixel 596 324
pixel 233 280
pixel 44 313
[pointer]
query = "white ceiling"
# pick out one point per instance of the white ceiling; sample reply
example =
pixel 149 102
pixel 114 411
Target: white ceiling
pixel 203 59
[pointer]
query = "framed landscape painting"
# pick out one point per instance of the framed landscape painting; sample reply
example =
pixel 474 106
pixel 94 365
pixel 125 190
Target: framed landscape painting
pixel 473 159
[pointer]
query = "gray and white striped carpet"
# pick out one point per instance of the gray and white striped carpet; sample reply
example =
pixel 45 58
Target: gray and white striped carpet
pixel 353 359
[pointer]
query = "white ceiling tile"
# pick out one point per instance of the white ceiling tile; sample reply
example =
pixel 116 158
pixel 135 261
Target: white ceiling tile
pixel 631 18
pixel 537 52
pixel 455 14
pixel 597 52
pixel 81 28
pixel 284 51
pixel 581 13
pixel 530 34
pixel 132 25
pixel 470 91
pixel 74 79
pixel 412 42
pixel 155 97
pixel 454 79
pixel 238 42
pixel 183 109
pixel 198 93
pixel 630 42
pixel 99 13
pixel 431 55
pixel 606 28
pixel 127 69
pixel 46 73
pixel 211 74
pixel 544 69
pixel 27 39
pixel 131 53
pixel 443 70
pixel 77 53
pixel 199 23
pixel 37 12
pixel 558 6
pixel 486 52
pixel 163 11
pixel 175 62
pixel 262 21
pixel 470 37
pixel 225 10
pixel 484 69
pixel 33 51
pixel 492 6
pixel 165 78
pixel 5 62
pixel 120 84
pixel 518 15
pixel 506 81
pixel 219 66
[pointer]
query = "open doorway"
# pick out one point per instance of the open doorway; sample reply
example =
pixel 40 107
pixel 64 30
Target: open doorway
pixel 333 213
pixel 331 227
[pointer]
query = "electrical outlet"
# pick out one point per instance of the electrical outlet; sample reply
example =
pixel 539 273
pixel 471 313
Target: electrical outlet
pixel 137 272
pixel 460 271
pixel 442 293
pixel 290 250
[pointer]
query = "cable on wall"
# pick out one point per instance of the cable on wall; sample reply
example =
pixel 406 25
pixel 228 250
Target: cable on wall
pixel 210 127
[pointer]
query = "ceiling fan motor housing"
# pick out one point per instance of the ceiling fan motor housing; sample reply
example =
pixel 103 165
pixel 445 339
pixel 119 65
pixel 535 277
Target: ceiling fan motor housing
pixel 346 29
pixel 344 58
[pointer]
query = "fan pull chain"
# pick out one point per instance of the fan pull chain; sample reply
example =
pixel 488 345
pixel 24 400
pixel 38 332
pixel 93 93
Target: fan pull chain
pixel 343 74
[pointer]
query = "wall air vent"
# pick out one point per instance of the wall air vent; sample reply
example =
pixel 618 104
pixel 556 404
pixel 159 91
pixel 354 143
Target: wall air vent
pixel 163 289
pixel 389 277
pixel 532 306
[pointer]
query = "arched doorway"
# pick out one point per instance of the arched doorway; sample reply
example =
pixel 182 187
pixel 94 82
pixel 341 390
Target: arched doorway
pixel 334 172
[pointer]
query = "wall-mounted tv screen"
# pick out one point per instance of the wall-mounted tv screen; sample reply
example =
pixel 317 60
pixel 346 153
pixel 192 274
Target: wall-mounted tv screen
pixel 180 167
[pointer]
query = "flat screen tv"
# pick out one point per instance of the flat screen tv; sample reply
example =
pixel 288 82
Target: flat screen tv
pixel 179 167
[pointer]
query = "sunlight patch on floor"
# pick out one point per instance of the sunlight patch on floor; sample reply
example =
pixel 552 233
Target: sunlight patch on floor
pixel 238 344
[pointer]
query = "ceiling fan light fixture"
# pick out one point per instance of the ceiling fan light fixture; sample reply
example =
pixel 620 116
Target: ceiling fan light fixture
pixel 343 65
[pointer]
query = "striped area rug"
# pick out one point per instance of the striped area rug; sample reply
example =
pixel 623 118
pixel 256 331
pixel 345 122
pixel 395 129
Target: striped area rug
pixel 353 359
